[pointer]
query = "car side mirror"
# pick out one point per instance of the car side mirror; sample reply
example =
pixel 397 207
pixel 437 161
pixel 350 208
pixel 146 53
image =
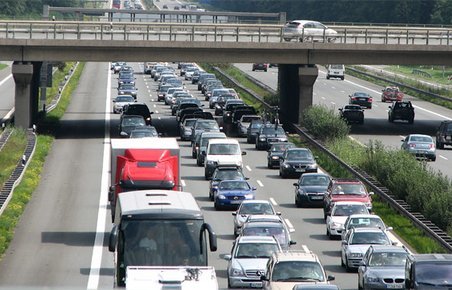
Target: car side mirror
pixel 264 278
pixel 331 278
pixel 227 257
pixel 389 107
pixel 247 178
pixel 340 109
pixel 253 188
pixel 389 228
pixel 295 184
pixel 113 239
pixel 278 213
pixel 123 134
pixel 362 263
pixel 371 193
pixel 114 101
pixel 344 242
pixel 234 213
pixel 243 153
pixel 394 243
pixel 292 243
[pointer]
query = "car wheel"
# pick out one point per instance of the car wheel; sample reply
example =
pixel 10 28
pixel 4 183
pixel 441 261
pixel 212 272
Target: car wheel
pixel 342 78
pixel 411 121
pixel 210 196
pixel 433 158
pixel 328 233
pixel 439 145
pixel 248 140
pixel 342 262
pixel 390 119
pixel 265 70
pixel 286 39
pixel 327 77
pixel 297 202
pixel 347 267
pixel 229 283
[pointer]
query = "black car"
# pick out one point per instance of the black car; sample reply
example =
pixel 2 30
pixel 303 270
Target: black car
pixel 142 132
pixel 228 108
pixel 444 134
pixel 127 123
pixel 296 161
pixel 221 102
pixel 276 151
pixel 128 89
pixel 239 112
pixel 138 109
pixel 224 173
pixel 310 189
pixel 268 134
pixel 401 110
pixel 189 111
pixel 183 103
pixel 252 130
pixel 352 114
pixel 360 98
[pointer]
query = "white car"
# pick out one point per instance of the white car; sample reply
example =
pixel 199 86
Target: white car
pixel 364 221
pixel 308 31
pixel 339 214
pixel 248 259
pixel 251 207
pixel 222 152
pixel 121 101
pixel 356 243
pixel 169 94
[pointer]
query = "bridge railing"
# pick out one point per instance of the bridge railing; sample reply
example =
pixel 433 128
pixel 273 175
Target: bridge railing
pixel 216 32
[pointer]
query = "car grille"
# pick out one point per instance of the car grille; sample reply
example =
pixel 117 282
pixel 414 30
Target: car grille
pixel 253 273
pixel 236 197
pixel 391 280
pixel 272 140
pixel 298 166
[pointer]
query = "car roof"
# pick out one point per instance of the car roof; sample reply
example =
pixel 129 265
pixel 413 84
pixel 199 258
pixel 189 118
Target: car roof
pixel 224 141
pixel 346 180
pixel 255 201
pixel 361 215
pixel 348 202
pixel 264 224
pixel 315 287
pixel 367 230
pixel 256 239
pixel 388 248
pixel 264 218
pixel 212 134
pixel 306 255
pixel 303 21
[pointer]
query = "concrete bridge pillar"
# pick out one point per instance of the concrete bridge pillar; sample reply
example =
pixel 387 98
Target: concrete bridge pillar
pixel 26 77
pixel 296 84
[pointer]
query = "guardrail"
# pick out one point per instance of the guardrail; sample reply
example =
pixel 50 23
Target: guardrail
pixel 400 205
pixel 219 32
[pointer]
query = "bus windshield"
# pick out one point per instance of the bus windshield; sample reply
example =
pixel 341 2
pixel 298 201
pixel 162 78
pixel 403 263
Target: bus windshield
pixel 162 243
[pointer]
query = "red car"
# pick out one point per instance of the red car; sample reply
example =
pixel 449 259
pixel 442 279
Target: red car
pixel 345 190
pixel 391 94
pixel 260 66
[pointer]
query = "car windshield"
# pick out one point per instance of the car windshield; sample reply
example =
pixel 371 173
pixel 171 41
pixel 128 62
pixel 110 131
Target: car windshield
pixel 349 209
pixel 299 155
pixel 224 149
pixel 255 250
pixel 314 180
pixel 421 139
pixel 350 189
pixel 277 231
pixel 272 131
pixel 125 99
pixel 359 94
pixel 337 66
pixel 138 110
pixel 387 259
pixel 256 125
pixel 293 271
pixel 205 140
pixel 127 87
pixel 207 125
pixel 366 223
pixel 433 273
pixel 365 238
pixel 228 174
pixel 280 147
pixel 189 122
pixel 234 185
pixel 133 121
pixel 256 208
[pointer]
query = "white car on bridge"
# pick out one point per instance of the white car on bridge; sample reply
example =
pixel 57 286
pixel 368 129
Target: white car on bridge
pixel 308 31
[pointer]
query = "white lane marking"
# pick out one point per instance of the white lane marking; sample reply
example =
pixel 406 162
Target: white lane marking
pixel 248 168
pixel 159 118
pixel 441 156
pixel 343 92
pixel 333 88
pixel 157 113
pixel 273 201
pixel 155 106
pixel 96 260
pixel 289 225
pixel 323 98
pixel 6 79
pixel 333 103
pixel 149 91
pixel 260 183
pixel 305 248
pixel 147 87
pixel 182 182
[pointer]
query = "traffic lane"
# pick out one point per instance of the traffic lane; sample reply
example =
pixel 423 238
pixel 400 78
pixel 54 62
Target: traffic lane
pixel 53 240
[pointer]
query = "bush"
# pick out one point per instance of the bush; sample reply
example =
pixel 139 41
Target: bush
pixel 324 123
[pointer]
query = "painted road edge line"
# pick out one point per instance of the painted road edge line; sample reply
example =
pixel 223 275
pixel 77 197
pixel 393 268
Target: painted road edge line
pixel 260 183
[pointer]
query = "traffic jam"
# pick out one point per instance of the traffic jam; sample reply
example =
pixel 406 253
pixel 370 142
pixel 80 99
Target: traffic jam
pixel 213 124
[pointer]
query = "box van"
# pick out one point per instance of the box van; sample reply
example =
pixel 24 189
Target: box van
pixel 335 71
pixel 222 152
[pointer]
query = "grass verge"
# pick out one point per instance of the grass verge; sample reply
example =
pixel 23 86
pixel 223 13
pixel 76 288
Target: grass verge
pixel 23 192
pixel 12 153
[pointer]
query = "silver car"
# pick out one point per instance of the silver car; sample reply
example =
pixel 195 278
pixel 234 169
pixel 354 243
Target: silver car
pixel 248 260
pixel 251 207
pixel 421 146
pixel 121 101
pixel 308 31
pixel 383 267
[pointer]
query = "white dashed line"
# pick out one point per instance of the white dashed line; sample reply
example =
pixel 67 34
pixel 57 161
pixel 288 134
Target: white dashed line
pixel 343 92
pixel 149 91
pixel 441 156
pixel 155 106
pixel 273 201
pixel 159 118
pixel 157 113
pixel 289 225
pixel 333 88
pixel 323 98
pixel 260 183
pixel 333 103
pixel 248 168
pixel 182 182
pixel 305 248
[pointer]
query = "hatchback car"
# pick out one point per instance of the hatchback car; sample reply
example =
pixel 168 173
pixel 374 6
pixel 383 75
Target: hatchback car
pixel 356 243
pixel 224 173
pixel 127 123
pixel 361 98
pixel 308 31
pixel 339 213
pixel 230 193
pixel 248 260
pixel 251 207
pixel 278 230
pixel 421 146
pixel 296 161
pixel 185 128
pixel 383 267
pixel 352 114
pixel 310 189
pixel 276 151
pixel 444 134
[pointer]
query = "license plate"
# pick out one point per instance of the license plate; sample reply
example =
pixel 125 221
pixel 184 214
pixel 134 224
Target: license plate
pixel 362 99
pixel 300 170
pixel 235 201
pixel 316 197
pixel 256 285
pixel 394 286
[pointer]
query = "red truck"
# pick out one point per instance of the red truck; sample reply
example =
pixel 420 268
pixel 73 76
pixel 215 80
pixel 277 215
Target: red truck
pixel 145 163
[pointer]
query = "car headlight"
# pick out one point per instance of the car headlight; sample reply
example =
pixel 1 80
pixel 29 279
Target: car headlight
pixel 312 166
pixel 210 162
pixel 302 192
pixel 275 157
pixel 371 279
pixel 355 255
pixel 261 138
pixel 286 165
pixel 236 272
pixel 221 196
pixel 228 114
pixel 249 196
pixel 283 139
pixel 121 93
pixel 239 163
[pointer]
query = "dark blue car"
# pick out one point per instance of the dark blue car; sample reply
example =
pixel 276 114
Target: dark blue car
pixel 231 193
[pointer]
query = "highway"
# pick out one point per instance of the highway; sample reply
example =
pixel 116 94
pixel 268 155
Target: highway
pixel 334 93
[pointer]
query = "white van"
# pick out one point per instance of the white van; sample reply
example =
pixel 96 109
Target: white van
pixel 335 71
pixel 222 152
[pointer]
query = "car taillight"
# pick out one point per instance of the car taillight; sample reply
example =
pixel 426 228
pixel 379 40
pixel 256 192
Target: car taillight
pixel 432 146
pixel 412 145
pixel 353 99
pixel 370 100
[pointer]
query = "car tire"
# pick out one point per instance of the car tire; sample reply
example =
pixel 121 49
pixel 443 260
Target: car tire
pixel 269 165
pixel 439 145
pixel 229 284
pixel 298 203
pixel 347 268
pixel 328 233
pixel 433 159
pixel 210 196
pixel 342 78
pixel 248 140
pixel 286 39
pixel 327 77
pixel 265 70
pixel 390 119
pixel 411 121
pixel 342 262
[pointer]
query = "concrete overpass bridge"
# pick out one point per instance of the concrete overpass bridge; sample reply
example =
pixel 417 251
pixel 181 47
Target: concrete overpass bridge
pixel 29 43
